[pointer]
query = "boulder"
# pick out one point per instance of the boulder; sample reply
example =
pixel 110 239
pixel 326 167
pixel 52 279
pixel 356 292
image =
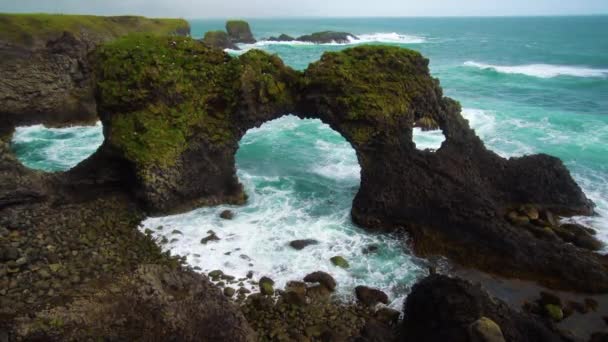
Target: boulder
pixel 327 37
pixel 219 39
pixel 370 296
pixel 295 293
pixel 322 278
pixel 441 308
pixel 227 215
pixel 301 244
pixel 340 262
pixel 239 32
pixel 209 238
pixel 266 286
pixel 486 330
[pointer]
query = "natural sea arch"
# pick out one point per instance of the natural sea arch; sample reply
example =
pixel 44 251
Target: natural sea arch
pixel 174 111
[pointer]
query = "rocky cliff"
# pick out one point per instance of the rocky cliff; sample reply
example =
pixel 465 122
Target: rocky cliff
pixel 46 75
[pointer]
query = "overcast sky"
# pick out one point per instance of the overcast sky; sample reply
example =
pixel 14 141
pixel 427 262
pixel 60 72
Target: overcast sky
pixel 309 8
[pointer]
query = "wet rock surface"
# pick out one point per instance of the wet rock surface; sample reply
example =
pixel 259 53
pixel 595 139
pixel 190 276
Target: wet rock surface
pixel 327 37
pixel 239 32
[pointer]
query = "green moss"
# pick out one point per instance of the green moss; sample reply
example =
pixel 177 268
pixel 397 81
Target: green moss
pixel 32 28
pixel 340 262
pixel 554 312
pixel 374 87
pixel 156 91
pixel 217 39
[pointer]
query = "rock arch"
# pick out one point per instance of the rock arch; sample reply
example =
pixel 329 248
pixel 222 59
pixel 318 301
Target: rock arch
pixel 174 110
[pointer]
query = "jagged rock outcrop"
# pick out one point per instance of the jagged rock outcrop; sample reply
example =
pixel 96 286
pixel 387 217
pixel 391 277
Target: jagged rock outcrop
pixel 239 32
pixel 327 37
pixel 46 75
pixel 440 308
pixel 219 39
pixel 179 130
pixel 282 38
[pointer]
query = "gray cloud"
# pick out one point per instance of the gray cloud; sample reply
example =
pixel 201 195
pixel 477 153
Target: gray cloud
pixel 316 8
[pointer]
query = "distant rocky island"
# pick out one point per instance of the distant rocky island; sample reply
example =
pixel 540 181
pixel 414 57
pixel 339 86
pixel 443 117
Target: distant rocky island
pixel 74 266
pixel 238 31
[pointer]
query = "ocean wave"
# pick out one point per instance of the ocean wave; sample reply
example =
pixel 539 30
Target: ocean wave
pixel 380 37
pixel 542 70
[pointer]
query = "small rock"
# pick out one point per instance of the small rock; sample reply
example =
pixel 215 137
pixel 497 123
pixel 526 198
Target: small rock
pixel 370 296
pixel 517 219
pixel 177 232
pixel 591 304
pixel 322 278
pixel 530 211
pixel 266 286
pixel 485 330
pixel 388 315
pixel 244 290
pixel 211 237
pixel 250 274
pixel 549 298
pixel 370 249
pixel 295 293
pixel 340 262
pixel 215 275
pixel 554 312
pixel 549 217
pixel 21 262
pixel 229 291
pixel 301 244
pixel 227 215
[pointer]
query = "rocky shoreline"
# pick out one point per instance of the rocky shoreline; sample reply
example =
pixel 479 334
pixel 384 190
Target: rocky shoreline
pixel 73 265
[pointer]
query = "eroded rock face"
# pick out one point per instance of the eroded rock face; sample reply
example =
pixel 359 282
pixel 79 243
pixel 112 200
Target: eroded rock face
pixel 220 40
pixel 239 32
pixel 327 37
pixel 179 130
pixel 440 308
pixel 46 75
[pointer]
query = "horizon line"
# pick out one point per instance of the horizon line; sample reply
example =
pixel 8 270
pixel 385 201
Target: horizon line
pixel 331 17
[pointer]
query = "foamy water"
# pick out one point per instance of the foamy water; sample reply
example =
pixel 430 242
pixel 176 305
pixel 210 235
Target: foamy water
pixel 542 70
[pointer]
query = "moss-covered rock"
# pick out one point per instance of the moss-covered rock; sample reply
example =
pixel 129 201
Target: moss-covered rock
pixel 239 32
pixel 340 262
pixel 48 54
pixel 220 40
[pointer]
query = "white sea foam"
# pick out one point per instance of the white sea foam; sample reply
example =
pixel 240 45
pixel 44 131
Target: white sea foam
pixel 542 70
pixel 277 212
pixel 428 140
pixel 381 37
pixel 56 149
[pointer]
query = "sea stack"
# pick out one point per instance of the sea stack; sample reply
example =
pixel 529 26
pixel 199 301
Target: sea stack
pixel 239 32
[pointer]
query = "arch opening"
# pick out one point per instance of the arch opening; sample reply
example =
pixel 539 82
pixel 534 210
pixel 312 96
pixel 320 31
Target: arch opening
pixel 300 177
pixel 55 149
pixel 428 140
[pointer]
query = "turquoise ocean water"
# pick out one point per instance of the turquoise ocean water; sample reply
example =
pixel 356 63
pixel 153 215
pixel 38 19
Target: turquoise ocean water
pixel 528 85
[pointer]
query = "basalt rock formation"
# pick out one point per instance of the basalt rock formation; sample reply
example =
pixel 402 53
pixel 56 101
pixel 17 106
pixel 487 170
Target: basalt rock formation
pixel 239 32
pixel 46 76
pixel 327 37
pixel 446 309
pixel 219 39
pixel 174 111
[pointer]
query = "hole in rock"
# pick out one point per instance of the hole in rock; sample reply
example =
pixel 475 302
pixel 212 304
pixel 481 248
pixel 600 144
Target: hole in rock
pixel 301 178
pixel 429 140
pixel 55 149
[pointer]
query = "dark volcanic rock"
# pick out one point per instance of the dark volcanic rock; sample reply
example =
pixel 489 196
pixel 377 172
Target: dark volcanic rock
pixel 219 39
pixel 46 73
pixel 239 32
pixel 322 278
pixel 301 244
pixel 370 296
pixel 327 37
pixel 452 202
pixel 445 309
pixel 282 38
